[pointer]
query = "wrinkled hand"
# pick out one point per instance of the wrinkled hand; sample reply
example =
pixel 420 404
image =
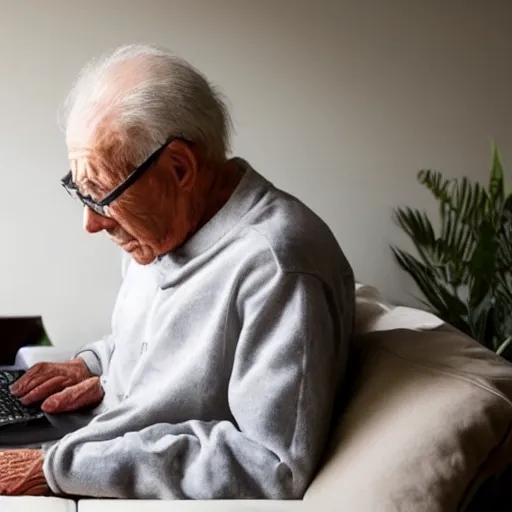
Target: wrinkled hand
pixel 63 387
pixel 21 473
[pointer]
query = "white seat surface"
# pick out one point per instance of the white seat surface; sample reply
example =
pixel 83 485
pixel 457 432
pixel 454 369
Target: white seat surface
pixel 191 506
pixel 35 504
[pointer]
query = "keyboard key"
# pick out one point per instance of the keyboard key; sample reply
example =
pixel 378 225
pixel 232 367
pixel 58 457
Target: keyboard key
pixel 12 411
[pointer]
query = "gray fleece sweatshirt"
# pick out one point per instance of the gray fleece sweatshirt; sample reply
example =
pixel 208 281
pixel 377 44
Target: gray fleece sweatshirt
pixel 223 364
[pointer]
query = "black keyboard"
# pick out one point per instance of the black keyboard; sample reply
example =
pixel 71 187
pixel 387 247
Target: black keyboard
pixel 12 411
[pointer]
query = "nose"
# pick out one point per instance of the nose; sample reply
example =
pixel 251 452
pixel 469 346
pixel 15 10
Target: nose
pixel 93 223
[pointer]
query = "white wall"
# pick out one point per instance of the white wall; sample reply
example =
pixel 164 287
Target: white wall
pixel 339 102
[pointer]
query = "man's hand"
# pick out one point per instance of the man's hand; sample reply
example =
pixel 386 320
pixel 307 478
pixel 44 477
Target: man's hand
pixel 21 473
pixel 64 387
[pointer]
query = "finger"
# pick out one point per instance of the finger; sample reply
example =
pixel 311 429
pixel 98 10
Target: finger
pixel 51 386
pixel 28 380
pixel 36 490
pixel 87 392
pixel 34 377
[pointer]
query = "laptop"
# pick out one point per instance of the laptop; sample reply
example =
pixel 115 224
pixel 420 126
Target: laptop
pixel 17 332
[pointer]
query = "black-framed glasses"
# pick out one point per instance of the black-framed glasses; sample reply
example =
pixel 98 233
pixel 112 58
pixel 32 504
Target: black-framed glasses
pixel 100 207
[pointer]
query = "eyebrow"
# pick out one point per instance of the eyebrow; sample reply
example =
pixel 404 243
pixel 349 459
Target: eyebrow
pixel 86 186
pixel 85 183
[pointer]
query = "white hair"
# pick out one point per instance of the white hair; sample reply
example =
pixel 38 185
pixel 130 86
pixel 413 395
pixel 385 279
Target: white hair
pixel 156 96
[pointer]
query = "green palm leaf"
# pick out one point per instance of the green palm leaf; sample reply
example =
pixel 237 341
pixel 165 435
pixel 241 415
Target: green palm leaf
pixel 435 182
pixel 496 182
pixel 464 269
pixel 444 304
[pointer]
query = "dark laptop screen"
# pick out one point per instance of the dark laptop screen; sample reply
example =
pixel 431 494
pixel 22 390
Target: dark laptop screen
pixel 16 332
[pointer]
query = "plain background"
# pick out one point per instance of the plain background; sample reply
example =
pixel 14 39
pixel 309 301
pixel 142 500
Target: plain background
pixel 338 102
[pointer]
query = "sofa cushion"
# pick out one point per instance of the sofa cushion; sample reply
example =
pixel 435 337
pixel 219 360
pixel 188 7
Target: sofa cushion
pixel 428 415
pixel 36 504
pixel 375 313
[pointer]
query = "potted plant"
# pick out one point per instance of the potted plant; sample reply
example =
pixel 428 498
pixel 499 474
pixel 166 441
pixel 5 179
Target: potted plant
pixel 464 268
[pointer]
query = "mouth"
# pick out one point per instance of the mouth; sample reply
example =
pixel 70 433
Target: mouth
pixel 126 245
pixel 123 239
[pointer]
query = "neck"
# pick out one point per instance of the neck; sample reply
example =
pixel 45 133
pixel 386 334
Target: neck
pixel 215 185
pixel 220 184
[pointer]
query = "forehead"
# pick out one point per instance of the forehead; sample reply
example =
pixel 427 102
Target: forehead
pixel 96 153
pixel 83 165
pixel 89 144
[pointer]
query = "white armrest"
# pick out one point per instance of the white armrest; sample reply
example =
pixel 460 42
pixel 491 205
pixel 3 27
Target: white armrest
pixel 29 356
pixel 194 506
pixel 41 504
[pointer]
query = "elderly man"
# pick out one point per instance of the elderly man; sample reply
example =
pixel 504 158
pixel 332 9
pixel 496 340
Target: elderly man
pixel 230 331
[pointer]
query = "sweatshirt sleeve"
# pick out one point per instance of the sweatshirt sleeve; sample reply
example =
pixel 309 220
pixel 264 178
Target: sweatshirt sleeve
pixel 97 355
pixel 280 393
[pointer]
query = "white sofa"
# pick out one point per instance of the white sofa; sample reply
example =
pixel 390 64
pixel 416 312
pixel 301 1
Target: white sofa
pixel 427 419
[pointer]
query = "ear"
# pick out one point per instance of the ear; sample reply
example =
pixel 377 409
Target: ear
pixel 185 164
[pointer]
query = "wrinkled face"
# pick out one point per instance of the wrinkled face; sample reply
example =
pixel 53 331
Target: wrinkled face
pixel 155 214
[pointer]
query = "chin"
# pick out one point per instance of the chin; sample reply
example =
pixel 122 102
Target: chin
pixel 141 256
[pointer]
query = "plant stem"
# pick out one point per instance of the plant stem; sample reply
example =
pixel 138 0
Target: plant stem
pixel 504 346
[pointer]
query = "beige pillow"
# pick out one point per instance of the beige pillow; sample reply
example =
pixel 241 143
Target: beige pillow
pixel 429 417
